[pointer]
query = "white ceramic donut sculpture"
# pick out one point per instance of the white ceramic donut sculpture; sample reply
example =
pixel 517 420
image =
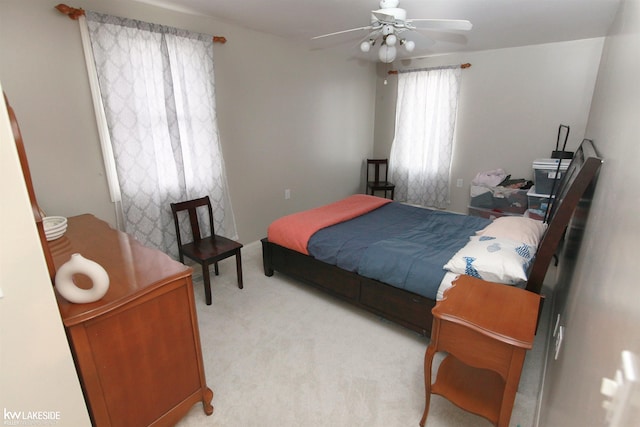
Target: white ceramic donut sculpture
pixel 81 265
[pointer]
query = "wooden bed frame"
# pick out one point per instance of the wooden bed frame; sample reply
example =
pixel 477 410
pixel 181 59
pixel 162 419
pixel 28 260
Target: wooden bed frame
pixel 414 311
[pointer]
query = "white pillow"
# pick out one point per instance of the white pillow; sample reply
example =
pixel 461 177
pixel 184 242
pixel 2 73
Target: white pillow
pixel 493 259
pixel 516 228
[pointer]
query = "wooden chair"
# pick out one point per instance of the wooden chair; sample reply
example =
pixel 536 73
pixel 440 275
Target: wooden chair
pixel 205 250
pixel 378 180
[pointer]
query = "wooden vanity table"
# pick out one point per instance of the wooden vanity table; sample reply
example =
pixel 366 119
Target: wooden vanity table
pixel 486 329
pixel 137 350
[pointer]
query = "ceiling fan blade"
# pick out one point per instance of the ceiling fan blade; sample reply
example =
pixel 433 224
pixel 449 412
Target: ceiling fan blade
pixel 444 36
pixel 418 38
pixel 441 24
pixel 372 35
pixel 368 27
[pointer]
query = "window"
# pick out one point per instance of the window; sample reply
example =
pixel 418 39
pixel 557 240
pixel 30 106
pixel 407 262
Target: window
pixel 420 159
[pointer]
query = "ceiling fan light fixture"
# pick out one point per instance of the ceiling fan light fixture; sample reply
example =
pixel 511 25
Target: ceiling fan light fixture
pixel 387 4
pixel 409 45
pixel 390 22
pixel 387 54
pixel 391 40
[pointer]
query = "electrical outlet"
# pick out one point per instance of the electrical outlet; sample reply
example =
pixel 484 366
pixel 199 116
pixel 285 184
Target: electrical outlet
pixel 287 194
pixel 459 183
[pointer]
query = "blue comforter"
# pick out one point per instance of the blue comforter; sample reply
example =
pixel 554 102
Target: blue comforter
pixel 403 246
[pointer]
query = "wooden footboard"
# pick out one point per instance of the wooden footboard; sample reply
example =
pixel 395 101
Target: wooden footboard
pixel 397 305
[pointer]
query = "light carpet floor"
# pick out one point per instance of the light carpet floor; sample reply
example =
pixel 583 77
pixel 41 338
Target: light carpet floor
pixel 279 353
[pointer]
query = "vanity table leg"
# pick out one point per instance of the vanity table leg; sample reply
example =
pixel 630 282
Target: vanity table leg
pixel 511 386
pixel 428 362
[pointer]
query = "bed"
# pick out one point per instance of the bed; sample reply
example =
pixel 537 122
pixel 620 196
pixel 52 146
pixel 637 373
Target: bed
pixel 387 257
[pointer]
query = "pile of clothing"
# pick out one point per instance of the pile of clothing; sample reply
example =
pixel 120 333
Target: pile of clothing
pixel 496 190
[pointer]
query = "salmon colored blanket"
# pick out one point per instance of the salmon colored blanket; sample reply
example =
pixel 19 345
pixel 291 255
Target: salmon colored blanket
pixel 294 231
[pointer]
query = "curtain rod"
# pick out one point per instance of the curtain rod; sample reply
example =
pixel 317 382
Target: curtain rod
pixel 463 66
pixel 75 14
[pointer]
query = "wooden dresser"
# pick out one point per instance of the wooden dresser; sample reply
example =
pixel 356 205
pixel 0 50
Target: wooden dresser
pixel 137 350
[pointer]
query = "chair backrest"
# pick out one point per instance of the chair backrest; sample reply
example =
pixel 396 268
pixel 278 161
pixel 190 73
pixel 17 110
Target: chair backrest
pixel 192 207
pixel 380 167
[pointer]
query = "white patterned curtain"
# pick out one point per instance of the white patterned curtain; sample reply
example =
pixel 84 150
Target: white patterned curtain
pixel 157 89
pixel 420 159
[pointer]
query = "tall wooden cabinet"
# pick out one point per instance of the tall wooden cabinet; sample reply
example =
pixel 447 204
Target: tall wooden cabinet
pixel 137 350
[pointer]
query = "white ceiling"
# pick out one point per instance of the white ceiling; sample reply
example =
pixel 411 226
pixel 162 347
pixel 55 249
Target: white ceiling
pixel 496 23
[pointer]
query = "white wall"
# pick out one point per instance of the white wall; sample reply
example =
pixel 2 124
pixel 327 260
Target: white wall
pixel 511 104
pixel 288 117
pixel 601 314
pixel 31 332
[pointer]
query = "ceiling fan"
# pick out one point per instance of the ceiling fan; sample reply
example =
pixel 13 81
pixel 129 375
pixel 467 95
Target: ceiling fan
pixel 388 25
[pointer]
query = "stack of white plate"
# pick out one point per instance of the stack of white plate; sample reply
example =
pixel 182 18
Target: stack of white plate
pixel 54 226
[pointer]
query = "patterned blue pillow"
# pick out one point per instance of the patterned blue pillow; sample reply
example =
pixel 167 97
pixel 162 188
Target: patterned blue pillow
pixel 493 259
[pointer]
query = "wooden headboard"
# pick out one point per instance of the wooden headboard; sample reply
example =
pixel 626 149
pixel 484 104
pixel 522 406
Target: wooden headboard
pixel 580 174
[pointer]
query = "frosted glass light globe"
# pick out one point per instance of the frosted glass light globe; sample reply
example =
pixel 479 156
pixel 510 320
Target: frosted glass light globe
pixel 387 53
pixel 365 46
pixel 391 40
pixel 409 46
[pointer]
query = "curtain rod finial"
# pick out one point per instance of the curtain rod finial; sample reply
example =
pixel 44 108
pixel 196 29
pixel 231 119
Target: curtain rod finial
pixel 219 39
pixel 71 12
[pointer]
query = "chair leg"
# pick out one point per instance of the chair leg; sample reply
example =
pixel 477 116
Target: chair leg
pixel 239 268
pixel 206 281
pixel 215 269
